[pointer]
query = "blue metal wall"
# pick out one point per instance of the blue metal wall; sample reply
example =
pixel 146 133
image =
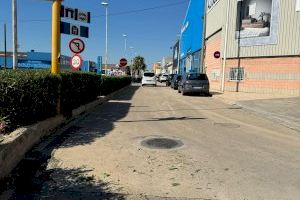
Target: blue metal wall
pixel 42 60
pixel 191 31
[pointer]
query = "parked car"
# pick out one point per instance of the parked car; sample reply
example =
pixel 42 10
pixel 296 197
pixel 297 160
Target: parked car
pixel 149 79
pixel 194 83
pixel 163 78
pixel 169 79
pixel 175 80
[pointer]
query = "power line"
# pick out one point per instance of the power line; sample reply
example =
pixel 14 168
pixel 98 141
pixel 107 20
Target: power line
pixel 144 9
pixel 113 14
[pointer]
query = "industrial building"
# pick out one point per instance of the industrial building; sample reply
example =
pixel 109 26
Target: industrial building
pixel 42 60
pixel 253 46
pixel 191 41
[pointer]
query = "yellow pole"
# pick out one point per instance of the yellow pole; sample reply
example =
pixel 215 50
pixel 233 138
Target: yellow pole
pixel 55 68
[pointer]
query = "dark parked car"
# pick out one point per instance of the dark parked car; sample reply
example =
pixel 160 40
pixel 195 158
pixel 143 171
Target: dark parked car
pixel 169 79
pixel 175 80
pixel 194 83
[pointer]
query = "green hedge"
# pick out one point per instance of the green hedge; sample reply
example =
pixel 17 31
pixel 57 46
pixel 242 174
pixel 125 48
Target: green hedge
pixel 28 96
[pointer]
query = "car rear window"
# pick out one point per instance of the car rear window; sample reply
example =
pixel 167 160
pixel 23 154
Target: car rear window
pixel 197 77
pixel 165 75
pixel 149 74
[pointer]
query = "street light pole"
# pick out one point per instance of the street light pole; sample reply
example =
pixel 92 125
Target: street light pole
pixel 15 33
pixel 125 45
pixel 105 4
pixel 131 70
pixel 5 48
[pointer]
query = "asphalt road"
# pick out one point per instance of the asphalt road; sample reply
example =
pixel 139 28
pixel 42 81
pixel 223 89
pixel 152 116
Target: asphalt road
pixel 228 153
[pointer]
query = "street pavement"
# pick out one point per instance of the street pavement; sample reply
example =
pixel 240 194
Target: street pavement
pixel 284 110
pixel 226 153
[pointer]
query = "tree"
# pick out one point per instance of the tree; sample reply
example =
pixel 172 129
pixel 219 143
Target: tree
pixel 138 65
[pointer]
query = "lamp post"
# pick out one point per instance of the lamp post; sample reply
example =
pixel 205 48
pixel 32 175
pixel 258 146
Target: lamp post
pixel 125 44
pixel 5 48
pixel 105 5
pixel 15 33
pixel 131 48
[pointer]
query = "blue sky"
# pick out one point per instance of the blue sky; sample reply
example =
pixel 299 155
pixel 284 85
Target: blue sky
pixel 151 32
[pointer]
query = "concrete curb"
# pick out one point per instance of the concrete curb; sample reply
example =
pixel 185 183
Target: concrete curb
pixel 14 146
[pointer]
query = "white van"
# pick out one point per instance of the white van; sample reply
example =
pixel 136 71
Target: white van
pixel 149 79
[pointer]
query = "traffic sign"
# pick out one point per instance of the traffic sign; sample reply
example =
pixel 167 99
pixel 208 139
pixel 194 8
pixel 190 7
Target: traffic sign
pixel 76 45
pixel 76 62
pixel 217 54
pixel 73 29
pixel 123 62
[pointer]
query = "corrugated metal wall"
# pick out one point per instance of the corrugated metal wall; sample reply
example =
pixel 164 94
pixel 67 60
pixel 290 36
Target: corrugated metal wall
pixel 288 40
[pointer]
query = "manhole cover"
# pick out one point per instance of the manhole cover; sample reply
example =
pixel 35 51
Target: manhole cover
pixel 162 143
pixel 227 125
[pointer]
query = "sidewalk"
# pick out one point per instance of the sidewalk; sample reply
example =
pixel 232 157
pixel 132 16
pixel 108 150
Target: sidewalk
pixel 284 110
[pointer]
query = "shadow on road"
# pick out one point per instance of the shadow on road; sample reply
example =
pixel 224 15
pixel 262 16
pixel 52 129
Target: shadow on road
pixel 34 179
pixel 167 119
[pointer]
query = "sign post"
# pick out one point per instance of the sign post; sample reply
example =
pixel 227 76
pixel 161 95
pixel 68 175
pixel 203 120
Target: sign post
pixel 55 68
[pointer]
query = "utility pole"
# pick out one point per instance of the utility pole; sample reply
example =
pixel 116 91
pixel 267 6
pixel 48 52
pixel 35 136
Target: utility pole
pixel 15 33
pixel 5 48
pixel 125 44
pixel 55 56
pixel 105 4
pixel 203 51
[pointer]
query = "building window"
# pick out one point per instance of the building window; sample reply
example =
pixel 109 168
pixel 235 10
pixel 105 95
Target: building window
pixel 298 5
pixel 196 62
pixel 236 74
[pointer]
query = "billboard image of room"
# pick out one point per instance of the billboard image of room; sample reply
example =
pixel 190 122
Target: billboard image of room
pixel 191 38
pixel 254 18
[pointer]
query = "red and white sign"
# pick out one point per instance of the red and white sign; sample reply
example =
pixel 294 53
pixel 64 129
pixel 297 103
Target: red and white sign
pixel 217 54
pixel 76 45
pixel 76 62
pixel 123 62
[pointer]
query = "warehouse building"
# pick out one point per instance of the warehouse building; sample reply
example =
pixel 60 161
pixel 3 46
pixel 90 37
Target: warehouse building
pixel 253 46
pixel 191 38
pixel 42 60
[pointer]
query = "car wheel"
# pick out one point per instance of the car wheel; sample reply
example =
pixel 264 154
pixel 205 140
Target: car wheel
pixel 179 90
pixel 183 93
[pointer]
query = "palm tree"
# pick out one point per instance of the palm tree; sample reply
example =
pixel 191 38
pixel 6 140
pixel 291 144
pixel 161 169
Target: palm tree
pixel 138 65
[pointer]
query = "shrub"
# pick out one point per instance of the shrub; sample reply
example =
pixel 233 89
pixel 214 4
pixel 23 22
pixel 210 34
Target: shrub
pixel 28 96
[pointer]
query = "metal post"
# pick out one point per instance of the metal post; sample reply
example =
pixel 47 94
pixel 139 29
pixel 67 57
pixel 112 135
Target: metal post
pixel 5 48
pixel 15 34
pixel 225 48
pixel 106 39
pixel 125 47
pixel 203 39
pixel 55 65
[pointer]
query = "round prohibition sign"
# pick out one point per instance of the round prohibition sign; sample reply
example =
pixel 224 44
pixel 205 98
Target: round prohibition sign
pixel 77 45
pixel 76 62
